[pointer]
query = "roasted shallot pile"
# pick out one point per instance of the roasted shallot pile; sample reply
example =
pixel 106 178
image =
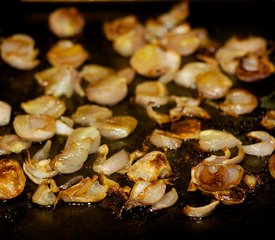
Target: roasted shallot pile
pixel 142 175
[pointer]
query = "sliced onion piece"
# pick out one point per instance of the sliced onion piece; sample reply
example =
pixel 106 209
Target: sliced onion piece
pixel 95 72
pixel 168 200
pixel 150 167
pixel 64 126
pixel 5 113
pixel 163 139
pixel 271 165
pixel 200 212
pixel 160 118
pixel 116 127
pixel 268 120
pixel 45 105
pixel 34 128
pixel 231 196
pixel 12 179
pixel 11 143
pixel 186 129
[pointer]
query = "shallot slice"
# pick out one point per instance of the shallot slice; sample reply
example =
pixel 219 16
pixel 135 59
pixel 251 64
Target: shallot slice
pixel 19 51
pixel 164 139
pixel 168 200
pixel 268 120
pixel 95 72
pixel 202 211
pixel 64 126
pixel 271 165
pixel 5 113
pixel 12 179
pixel 160 118
pixel 34 128
pixel 66 22
pixel 11 143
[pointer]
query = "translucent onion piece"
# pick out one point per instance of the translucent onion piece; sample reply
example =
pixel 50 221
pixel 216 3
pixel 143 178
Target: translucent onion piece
pixel 95 72
pixel 186 129
pixel 238 101
pixel 163 139
pixel 12 179
pixel 160 118
pixel 200 212
pixel 213 140
pixel 67 53
pixel 87 115
pixel 150 167
pixel 5 113
pixel 168 200
pixel 216 177
pixel 187 75
pixel 119 26
pixel 271 165
pixel 64 126
pixel 45 105
pixel 44 152
pixel 151 61
pixel 12 143
pixel 19 51
pixel 58 81
pixel 154 29
pixel 116 127
pixel 268 120
pixel 110 165
pixel 66 22
pixel 108 91
pixel 88 190
pixel 213 84
pixel 34 128
pixel 151 92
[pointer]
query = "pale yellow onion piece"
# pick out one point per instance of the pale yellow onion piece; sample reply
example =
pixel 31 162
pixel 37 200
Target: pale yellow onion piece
pixel 213 140
pixel 213 177
pixel 67 53
pixel 168 200
pixel 57 81
pixel 165 139
pixel 108 91
pixel 129 42
pixel 82 133
pixel 45 105
pixel 271 165
pixel 238 101
pixel 88 114
pixel 268 120
pixel 128 73
pixel 202 211
pixel 44 152
pixel 151 92
pixel 5 113
pixel 12 179
pixel 12 143
pixel 72 158
pixel 110 165
pixel 66 22
pixel 160 118
pixel 87 190
pixel 187 75
pixel 34 128
pixel 147 193
pixel 261 135
pixel 213 84
pixel 19 51
pixel 43 195
pixel 150 167
pixel 95 72
pixel 152 61
pixel 64 126
pixel 154 29
pixel 116 127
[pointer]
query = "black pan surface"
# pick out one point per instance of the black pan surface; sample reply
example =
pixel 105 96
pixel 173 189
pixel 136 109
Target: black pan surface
pixel 20 219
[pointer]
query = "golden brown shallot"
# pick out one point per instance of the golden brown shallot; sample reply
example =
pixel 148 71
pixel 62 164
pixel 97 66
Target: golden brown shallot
pixel 95 72
pixel 186 129
pixel 238 101
pixel 67 53
pixel 11 143
pixel 230 196
pixel 116 127
pixel 268 120
pixel 213 84
pixel 251 180
pixel 45 193
pixel 112 164
pixel 168 200
pixel 58 81
pixel 152 61
pixel 187 75
pixel 87 190
pixel 271 165
pixel 202 211
pixel 151 92
pixel 45 105
pixel 164 139
pixel 150 167
pixel 263 148
pixel 108 91
pixel 154 29
pixel 213 140
pixel 158 117
pixel 19 51
pixel 87 115
pixel 212 177
pixel 5 113
pixel 34 128
pixel 12 179
pixel 66 22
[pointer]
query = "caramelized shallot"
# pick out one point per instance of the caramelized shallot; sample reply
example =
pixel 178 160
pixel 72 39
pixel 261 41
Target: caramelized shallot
pixel 11 143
